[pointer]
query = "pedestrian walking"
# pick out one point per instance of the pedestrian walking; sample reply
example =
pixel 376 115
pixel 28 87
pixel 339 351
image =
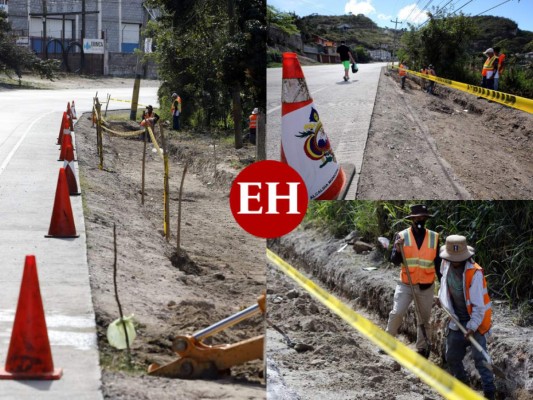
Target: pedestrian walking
pixel 175 109
pixel 431 85
pixel 420 247
pixel 501 67
pixel 402 71
pixel 463 292
pixel 253 125
pixel 346 57
pixel 489 69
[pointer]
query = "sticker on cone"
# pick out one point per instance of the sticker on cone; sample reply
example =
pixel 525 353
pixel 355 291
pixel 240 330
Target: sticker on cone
pixel 305 145
pixel 64 123
pixel 29 355
pixel 70 171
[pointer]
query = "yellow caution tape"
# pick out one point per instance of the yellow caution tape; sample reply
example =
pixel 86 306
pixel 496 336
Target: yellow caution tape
pixel 438 379
pixel 520 103
pixel 155 142
pixel 127 101
pixel 122 134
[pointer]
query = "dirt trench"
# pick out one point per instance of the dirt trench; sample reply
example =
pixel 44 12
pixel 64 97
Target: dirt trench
pixel 221 270
pixel 345 365
pixel 446 146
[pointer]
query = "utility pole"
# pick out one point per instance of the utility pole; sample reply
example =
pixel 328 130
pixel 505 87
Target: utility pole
pixel 138 68
pixel 82 21
pixel 43 45
pixel 395 36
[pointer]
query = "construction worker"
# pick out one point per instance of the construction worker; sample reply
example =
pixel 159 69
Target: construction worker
pixel 431 86
pixel 424 71
pixel 253 125
pixel 149 119
pixel 420 247
pixel 463 292
pixel 402 71
pixel 175 109
pixel 489 69
pixel 501 66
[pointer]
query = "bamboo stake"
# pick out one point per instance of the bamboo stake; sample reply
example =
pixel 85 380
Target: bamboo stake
pixel 178 235
pixel 166 213
pixel 116 293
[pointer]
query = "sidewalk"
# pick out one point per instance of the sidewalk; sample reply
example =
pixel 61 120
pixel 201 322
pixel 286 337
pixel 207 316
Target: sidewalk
pixel 28 179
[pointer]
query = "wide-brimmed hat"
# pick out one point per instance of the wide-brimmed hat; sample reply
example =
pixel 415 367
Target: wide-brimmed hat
pixel 174 95
pixel 489 50
pixel 255 111
pixel 456 249
pixel 419 210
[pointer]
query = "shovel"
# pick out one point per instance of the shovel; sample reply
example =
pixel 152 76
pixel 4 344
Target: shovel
pixel 417 309
pixel 488 361
pixel 299 347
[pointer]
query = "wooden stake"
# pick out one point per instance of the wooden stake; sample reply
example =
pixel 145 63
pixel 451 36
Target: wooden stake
pixel 166 213
pixel 178 234
pixel 143 164
pixel 116 293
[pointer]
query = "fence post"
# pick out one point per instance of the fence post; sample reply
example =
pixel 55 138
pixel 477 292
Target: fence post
pixel 166 212
pixel 99 133
pixel 261 137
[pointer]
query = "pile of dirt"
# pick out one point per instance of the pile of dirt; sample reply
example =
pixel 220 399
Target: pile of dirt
pixel 219 270
pixel 370 293
pixel 445 146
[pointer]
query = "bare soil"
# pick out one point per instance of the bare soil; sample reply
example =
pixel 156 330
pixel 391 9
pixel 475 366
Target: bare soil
pixel 445 146
pixel 343 364
pixel 223 269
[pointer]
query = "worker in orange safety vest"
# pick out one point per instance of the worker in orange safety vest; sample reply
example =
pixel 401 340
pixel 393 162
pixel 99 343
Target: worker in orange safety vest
pixel 175 110
pixel 489 69
pixel 463 292
pixel 253 125
pixel 501 67
pixel 421 253
pixel 402 71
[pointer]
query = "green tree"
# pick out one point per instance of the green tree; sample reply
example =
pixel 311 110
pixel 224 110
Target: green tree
pixel 212 53
pixel 284 21
pixel 444 42
pixel 15 59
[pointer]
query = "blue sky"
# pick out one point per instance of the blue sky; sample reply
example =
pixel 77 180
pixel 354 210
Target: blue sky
pixel 412 11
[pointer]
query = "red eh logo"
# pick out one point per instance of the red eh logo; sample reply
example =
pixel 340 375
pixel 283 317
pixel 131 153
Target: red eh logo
pixel 268 199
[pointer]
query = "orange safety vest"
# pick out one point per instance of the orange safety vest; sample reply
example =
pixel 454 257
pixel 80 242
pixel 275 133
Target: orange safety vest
pixel 402 70
pixel 253 121
pixel 424 71
pixel 172 108
pixel 421 261
pixel 469 275
pixel 501 60
pixel 488 66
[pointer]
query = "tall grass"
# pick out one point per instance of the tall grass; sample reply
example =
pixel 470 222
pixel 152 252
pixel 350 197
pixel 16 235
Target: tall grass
pixel 500 231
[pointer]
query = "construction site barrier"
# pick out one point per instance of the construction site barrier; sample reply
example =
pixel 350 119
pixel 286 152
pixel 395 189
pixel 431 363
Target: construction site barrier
pixel 438 379
pixel 520 103
pixel 122 134
pixel 155 142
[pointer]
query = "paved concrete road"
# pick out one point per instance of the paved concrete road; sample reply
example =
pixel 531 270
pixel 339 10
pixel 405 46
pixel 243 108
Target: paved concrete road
pixel 28 179
pixel 345 109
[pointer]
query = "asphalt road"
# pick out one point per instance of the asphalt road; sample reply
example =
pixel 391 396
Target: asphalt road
pixel 345 109
pixel 28 179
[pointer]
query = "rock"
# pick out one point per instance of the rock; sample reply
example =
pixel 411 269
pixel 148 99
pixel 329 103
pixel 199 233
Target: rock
pixel 317 361
pixel 277 300
pixel 270 291
pixel 219 276
pixel 302 347
pixel 171 303
pixel 292 294
pixel 313 309
pixel 309 326
pixel 360 247
pixel 378 378
pixel 352 237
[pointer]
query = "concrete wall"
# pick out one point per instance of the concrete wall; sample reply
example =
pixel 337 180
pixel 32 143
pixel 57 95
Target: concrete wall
pixel 121 64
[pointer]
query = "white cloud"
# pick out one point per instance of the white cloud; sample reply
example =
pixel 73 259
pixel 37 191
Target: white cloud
pixel 412 14
pixel 359 7
pixel 384 17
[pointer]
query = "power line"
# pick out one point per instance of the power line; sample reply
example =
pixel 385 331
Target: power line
pixel 412 9
pixel 440 11
pixel 507 1
pixel 422 9
pixel 463 6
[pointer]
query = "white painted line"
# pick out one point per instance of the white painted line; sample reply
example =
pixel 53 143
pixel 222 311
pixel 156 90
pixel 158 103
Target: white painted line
pixel 15 148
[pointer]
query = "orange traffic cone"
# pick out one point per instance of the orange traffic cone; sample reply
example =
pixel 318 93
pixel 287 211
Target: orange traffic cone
pixel 73 109
pixel 62 222
pixel 62 129
pixel 69 117
pixel 305 145
pixel 67 140
pixel 29 355
pixel 70 171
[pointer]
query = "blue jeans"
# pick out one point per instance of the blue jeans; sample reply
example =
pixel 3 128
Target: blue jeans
pixel 176 122
pixel 456 345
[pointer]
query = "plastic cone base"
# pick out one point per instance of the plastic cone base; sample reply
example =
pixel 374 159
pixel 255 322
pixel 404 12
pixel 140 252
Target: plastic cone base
pixel 62 222
pixel 29 355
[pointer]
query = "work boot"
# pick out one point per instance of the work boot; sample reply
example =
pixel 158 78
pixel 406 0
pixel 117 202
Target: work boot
pixel 489 395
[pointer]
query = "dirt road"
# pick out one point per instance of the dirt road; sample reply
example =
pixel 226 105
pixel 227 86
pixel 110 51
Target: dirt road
pixel 224 269
pixel 447 146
